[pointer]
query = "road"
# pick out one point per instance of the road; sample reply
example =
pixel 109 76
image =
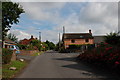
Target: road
pixel 61 65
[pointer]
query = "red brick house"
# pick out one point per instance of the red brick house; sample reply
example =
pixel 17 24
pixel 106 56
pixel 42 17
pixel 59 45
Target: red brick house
pixel 27 41
pixel 77 39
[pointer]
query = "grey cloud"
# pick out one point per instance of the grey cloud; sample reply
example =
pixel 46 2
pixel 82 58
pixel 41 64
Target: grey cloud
pixel 101 18
pixel 98 12
pixel 20 34
pixel 42 10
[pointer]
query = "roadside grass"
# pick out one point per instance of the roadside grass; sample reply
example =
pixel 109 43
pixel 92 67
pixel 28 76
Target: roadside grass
pixel 0 72
pixel 37 54
pixel 6 73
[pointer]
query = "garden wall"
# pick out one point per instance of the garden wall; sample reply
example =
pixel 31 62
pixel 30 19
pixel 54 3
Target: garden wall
pixel 28 52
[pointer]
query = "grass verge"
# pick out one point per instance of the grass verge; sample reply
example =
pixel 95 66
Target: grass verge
pixel 6 73
pixel 37 54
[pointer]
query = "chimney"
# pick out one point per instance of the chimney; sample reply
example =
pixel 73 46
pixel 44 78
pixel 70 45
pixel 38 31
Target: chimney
pixel 90 32
pixel 31 36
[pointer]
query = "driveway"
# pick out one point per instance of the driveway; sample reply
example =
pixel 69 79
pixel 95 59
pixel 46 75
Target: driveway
pixel 63 65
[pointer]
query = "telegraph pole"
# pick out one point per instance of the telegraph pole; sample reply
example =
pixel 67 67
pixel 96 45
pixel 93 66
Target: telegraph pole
pixel 59 40
pixel 63 29
pixel 63 37
pixel 40 36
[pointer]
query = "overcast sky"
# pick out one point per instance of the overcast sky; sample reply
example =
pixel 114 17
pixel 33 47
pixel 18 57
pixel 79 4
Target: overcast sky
pixel 77 17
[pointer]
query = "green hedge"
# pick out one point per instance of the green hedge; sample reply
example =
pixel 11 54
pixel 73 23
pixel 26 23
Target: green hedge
pixel 22 46
pixel 89 46
pixel 6 55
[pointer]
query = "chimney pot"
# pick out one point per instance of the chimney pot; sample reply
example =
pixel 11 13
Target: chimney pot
pixel 31 36
pixel 90 32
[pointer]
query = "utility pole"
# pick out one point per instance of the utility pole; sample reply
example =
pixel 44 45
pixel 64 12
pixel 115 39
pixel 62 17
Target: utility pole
pixel 63 29
pixel 59 40
pixel 40 36
pixel 63 37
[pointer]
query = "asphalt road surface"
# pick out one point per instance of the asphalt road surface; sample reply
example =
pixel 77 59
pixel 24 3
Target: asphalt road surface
pixel 61 65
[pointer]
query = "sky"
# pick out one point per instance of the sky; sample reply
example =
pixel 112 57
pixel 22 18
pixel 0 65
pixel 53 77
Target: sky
pixel 77 17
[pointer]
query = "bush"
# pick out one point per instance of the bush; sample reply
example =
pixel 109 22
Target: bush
pixel 22 46
pixel 45 46
pixel 30 47
pixel 105 55
pixel 56 48
pixel 39 47
pixel 51 45
pixel 113 39
pixel 91 46
pixel 73 46
pixel 6 55
pixel 62 50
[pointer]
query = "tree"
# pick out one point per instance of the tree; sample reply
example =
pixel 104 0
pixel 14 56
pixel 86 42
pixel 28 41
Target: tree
pixel 21 46
pixel 112 38
pixel 10 15
pixel 12 37
pixel 45 46
pixel 37 44
pixel 34 42
pixel 51 45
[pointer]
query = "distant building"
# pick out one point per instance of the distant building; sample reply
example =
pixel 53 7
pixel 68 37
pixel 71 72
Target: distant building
pixel 77 38
pixel 27 41
pixel 99 39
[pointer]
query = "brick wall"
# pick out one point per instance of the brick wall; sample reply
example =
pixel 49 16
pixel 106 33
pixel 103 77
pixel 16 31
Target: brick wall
pixel 68 42
pixel 28 52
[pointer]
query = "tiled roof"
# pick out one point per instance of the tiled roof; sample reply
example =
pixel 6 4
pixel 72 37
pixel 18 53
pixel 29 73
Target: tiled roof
pixel 77 36
pixel 27 41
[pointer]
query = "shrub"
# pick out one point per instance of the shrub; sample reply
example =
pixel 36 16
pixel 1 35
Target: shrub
pixel 91 46
pixel 113 39
pixel 45 46
pixel 30 47
pixel 39 47
pixel 34 42
pixel 22 46
pixel 73 46
pixel 6 55
pixel 105 55
pixel 62 50
pixel 51 45
pixel 56 48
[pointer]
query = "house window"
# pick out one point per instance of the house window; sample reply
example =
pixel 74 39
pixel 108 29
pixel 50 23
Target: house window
pixel 73 41
pixel 86 40
pixel 81 36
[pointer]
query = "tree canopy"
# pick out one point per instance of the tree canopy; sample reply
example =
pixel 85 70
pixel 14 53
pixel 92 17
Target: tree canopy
pixel 51 45
pixel 113 38
pixel 10 15
pixel 12 37
pixel 35 42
